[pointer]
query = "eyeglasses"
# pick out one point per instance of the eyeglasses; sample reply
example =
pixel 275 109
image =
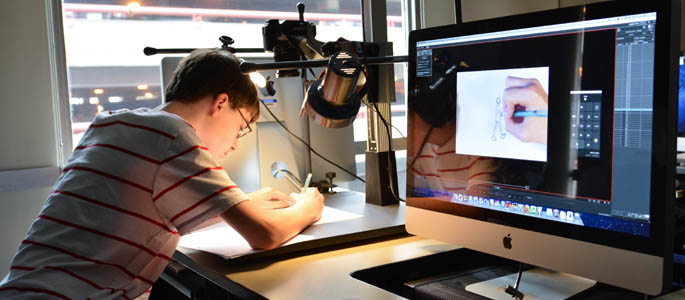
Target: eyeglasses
pixel 245 130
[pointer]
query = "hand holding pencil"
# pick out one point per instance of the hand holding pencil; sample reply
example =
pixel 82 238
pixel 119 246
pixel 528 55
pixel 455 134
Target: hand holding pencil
pixel 525 106
pixel 310 198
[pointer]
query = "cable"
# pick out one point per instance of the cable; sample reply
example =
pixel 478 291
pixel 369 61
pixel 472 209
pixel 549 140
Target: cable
pixel 310 147
pixel 387 129
pixel 398 131
pixel 304 57
pixel 393 126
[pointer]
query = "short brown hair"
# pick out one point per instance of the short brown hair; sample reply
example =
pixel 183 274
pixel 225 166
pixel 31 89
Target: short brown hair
pixel 210 72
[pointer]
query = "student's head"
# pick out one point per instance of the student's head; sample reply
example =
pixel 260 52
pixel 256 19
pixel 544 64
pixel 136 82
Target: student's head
pixel 210 79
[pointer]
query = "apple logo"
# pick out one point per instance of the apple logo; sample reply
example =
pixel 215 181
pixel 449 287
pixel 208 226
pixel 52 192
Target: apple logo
pixel 507 241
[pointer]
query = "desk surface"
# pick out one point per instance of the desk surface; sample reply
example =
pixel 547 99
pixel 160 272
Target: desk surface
pixel 322 273
pixel 273 275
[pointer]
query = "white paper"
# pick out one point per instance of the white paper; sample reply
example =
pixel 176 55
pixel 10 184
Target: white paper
pixel 477 108
pixel 222 239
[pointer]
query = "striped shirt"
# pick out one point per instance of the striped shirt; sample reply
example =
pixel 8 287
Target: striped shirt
pixel 442 172
pixel 136 182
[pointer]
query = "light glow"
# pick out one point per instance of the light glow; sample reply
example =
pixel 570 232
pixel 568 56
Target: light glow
pixel 115 99
pixel 258 79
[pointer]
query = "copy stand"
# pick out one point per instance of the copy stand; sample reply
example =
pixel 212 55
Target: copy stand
pixel 537 283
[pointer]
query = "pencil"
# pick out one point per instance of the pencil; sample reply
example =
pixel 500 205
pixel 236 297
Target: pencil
pixel 306 182
pixel 530 113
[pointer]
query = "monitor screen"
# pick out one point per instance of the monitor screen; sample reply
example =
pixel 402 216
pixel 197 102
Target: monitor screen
pixel 681 105
pixel 544 123
pixel 681 97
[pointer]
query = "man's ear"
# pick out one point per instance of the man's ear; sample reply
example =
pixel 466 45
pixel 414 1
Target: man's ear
pixel 219 103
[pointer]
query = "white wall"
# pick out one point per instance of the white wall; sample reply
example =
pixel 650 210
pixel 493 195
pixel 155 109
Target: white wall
pixel 27 123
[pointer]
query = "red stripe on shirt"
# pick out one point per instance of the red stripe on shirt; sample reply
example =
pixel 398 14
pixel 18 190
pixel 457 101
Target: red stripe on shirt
pixel 93 284
pixel 107 235
pixel 121 210
pixel 129 152
pixel 140 156
pixel 162 133
pixel 427 174
pixel 95 261
pixel 184 152
pixel 443 153
pixel 35 290
pixel 22 268
pixel 478 174
pixel 426 156
pixel 202 201
pixel 175 185
pixel 109 176
pixel 464 168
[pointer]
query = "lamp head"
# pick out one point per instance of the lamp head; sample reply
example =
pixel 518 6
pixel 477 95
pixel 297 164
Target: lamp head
pixel 333 100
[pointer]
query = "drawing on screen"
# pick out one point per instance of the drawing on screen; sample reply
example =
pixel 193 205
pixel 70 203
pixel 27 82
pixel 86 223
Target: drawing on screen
pixel 515 125
pixel 499 115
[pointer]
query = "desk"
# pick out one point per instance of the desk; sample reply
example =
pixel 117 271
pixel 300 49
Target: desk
pixel 322 272
pixel 338 249
pixel 318 275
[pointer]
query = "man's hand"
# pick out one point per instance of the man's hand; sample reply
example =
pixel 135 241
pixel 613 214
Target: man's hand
pixel 312 203
pixel 527 93
pixel 268 198
pixel 269 227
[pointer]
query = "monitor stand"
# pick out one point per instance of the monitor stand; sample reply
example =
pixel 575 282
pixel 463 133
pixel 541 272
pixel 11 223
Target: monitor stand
pixel 536 283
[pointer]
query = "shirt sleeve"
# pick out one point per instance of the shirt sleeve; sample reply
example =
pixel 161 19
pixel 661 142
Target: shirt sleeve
pixel 190 186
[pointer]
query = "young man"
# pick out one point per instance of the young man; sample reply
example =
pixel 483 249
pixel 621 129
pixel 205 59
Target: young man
pixel 140 179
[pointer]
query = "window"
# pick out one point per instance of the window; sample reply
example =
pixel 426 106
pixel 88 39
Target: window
pixel 104 41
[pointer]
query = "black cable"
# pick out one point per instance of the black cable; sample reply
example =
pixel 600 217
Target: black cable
pixel 393 126
pixel 305 58
pixel 387 129
pixel 307 144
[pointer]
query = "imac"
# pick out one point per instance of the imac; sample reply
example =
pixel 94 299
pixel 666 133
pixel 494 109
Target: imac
pixel 681 105
pixel 548 138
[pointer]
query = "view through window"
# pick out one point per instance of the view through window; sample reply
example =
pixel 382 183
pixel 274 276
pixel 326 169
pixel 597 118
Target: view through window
pixel 104 41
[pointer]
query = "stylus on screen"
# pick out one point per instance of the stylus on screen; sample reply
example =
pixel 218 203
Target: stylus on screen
pixel 530 113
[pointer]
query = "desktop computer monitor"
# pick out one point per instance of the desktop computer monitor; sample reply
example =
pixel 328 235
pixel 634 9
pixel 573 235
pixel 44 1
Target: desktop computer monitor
pixel 548 138
pixel 681 103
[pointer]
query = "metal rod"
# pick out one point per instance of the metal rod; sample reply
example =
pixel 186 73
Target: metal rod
pixel 152 51
pixel 246 50
pixel 292 176
pixel 249 67
pixel 518 277
pixel 289 178
pixel 307 133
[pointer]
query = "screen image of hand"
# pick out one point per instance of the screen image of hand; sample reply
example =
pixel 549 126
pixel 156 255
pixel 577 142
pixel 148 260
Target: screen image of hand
pixel 525 94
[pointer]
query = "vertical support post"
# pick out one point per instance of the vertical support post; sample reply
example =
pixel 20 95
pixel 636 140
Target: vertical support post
pixel 308 149
pixel 381 172
pixel 307 133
